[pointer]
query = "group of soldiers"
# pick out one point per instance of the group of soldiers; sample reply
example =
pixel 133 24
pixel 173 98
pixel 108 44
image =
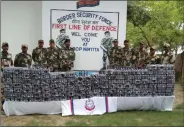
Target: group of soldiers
pixel 53 58
pixel 140 57
pixel 62 59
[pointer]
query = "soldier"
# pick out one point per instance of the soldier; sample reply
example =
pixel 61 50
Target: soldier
pixel 6 57
pixel 52 57
pixel 106 45
pixel 152 57
pixel 167 57
pixel 128 54
pixel 67 57
pixel 115 54
pixel 6 61
pixel 39 54
pixel 23 59
pixel 141 55
pixel 61 39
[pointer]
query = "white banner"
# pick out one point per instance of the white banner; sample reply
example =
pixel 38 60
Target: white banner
pixel 73 107
pixel 90 106
pixel 86 30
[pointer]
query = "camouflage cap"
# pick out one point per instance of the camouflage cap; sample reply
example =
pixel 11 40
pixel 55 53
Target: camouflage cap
pixel 115 40
pixel 51 41
pixel 166 45
pixel 5 44
pixel 126 41
pixel 24 45
pixel 40 41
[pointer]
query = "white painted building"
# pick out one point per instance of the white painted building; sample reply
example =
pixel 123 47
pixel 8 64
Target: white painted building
pixel 28 21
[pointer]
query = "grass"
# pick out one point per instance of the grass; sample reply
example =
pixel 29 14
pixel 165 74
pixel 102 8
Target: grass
pixel 127 118
pixel 124 118
pixel 132 118
pixel 180 106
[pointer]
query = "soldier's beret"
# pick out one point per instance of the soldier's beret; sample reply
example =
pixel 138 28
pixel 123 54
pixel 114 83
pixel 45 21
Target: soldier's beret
pixel 24 45
pixel 51 41
pixel 166 45
pixel 67 40
pixel 40 41
pixel 5 44
pixel 115 40
pixel 126 41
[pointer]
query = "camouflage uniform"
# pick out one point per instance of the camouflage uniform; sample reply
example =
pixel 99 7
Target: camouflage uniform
pixel 168 58
pixel 6 59
pixel 39 56
pixel 52 58
pixel 115 56
pixel 153 59
pixel 23 60
pixel 141 56
pixel 106 45
pixel 60 41
pixel 67 57
pixel 128 57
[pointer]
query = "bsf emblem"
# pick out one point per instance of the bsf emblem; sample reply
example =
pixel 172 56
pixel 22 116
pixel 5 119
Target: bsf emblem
pixel 89 105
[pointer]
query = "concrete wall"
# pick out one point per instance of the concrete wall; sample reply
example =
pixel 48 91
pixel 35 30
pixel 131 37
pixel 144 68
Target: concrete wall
pixel 21 23
pixel 25 22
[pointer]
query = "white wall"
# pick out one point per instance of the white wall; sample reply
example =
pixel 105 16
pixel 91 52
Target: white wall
pixel 21 22
pixel 109 6
pixel 29 21
pixel 105 6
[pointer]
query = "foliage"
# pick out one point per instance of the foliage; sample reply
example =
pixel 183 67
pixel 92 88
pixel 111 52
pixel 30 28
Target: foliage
pixel 136 14
pixel 156 22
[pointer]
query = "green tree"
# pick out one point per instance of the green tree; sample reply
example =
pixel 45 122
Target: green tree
pixel 157 21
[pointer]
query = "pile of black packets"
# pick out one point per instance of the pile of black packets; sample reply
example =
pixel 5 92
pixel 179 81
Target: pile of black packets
pixel 38 84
